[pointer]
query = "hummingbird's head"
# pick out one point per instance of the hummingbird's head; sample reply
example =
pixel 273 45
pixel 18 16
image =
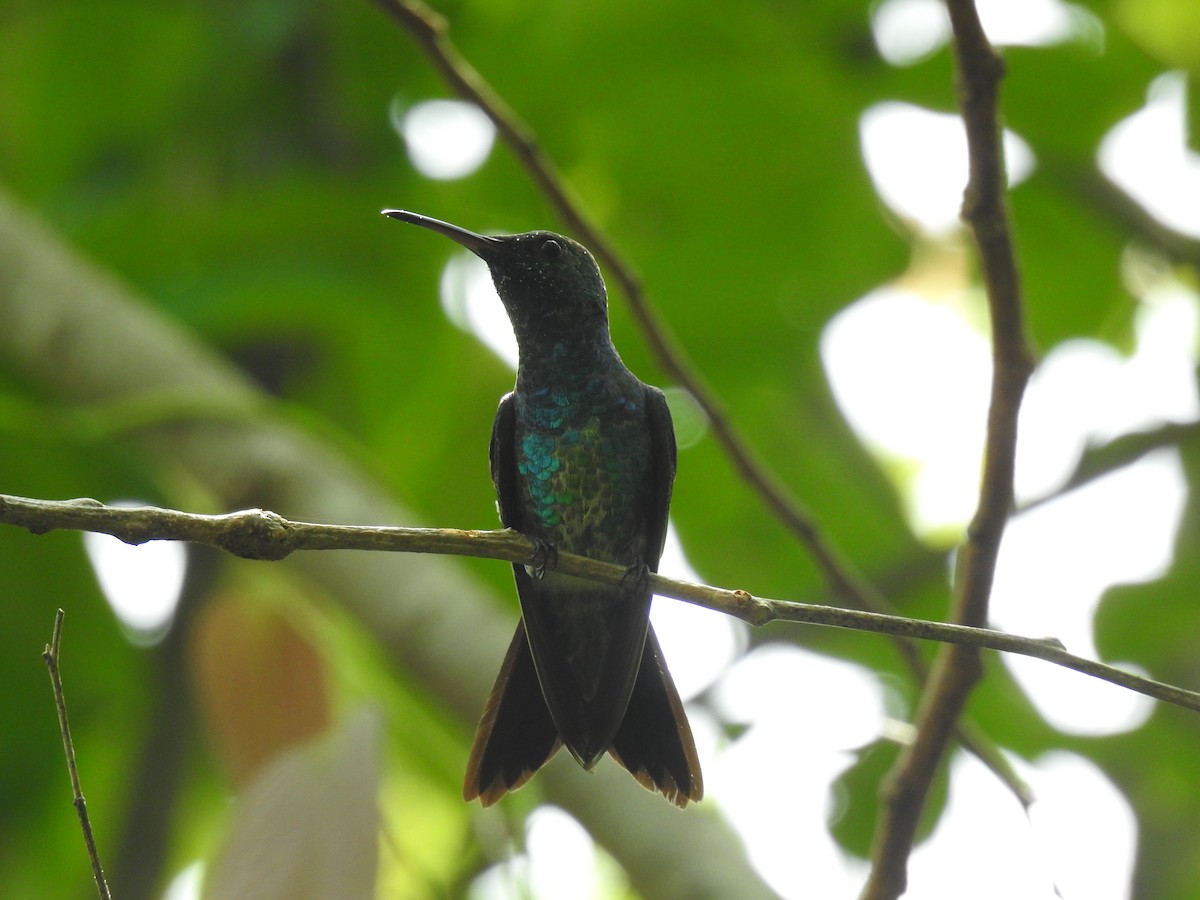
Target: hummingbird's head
pixel 550 284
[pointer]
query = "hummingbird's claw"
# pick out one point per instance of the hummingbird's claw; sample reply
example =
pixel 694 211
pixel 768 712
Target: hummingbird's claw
pixel 636 579
pixel 545 556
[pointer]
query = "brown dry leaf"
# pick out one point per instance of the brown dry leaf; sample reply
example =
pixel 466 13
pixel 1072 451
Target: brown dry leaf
pixel 260 682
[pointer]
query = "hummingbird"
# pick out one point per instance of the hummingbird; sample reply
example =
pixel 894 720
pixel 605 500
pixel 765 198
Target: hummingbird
pixel 583 460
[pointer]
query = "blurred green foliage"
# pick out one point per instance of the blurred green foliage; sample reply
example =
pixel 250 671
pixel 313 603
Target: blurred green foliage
pixel 228 160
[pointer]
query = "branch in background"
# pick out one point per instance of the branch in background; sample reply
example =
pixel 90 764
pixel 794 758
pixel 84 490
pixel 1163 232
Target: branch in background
pixel 51 656
pixel 1121 451
pixel 1097 195
pixel 430 31
pixel 258 534
pixel 958 667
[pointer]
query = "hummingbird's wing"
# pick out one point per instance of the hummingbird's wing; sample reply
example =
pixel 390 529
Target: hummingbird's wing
pixel 502 457
pixel 655 741
pixel 662 474
pixel 516 735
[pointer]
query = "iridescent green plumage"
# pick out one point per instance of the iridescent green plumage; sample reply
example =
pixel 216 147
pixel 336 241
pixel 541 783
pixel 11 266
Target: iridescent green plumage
pixel 583 459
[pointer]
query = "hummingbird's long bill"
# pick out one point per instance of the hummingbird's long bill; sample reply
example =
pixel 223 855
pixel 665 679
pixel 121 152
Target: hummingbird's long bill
pixel 478 244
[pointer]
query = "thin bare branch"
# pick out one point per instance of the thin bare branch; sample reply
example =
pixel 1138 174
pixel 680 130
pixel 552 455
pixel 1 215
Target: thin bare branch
pixel 958 667
pixel 51 657
pixel 242 533
pixel 1123 450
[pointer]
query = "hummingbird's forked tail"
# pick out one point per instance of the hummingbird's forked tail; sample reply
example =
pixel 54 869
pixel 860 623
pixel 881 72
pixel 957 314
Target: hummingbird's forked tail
pixel 516 735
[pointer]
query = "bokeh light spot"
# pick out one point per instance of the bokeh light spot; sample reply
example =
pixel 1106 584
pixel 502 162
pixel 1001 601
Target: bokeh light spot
pixel 141 583
pixel 446 139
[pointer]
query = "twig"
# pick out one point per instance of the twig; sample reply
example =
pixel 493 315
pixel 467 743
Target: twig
pixel 1121 451
pixel 1097 196
pixel 51 655
pixel 241 533
pixel 958 667
pixel 430 31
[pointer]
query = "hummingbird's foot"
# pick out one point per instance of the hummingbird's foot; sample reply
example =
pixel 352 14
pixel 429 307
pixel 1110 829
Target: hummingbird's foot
pixel 545 556
pixel 636 579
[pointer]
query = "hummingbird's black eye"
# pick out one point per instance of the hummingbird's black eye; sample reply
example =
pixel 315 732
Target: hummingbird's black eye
pixel 551 249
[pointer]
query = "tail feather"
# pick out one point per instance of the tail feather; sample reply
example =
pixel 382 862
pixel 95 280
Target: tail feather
pixel 655 741
pixel 516 735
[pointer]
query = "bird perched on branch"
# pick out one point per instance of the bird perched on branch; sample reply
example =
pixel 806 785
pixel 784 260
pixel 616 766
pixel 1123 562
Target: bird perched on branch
pixel 583 460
